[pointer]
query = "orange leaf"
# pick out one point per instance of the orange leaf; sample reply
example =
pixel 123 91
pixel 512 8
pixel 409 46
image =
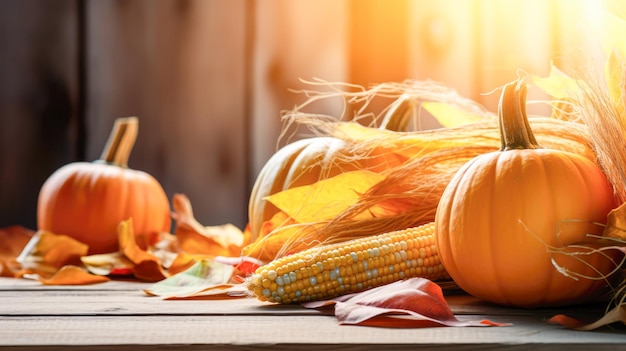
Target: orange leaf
pixel 73 275
pixel 181 262
pixel 146 266
pixel 617 314
pixel 273 235
pixel 46 252
pixel 13 240
pixel 411 303
pixel 194 238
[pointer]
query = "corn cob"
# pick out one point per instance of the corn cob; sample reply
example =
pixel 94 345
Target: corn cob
pixel 331 270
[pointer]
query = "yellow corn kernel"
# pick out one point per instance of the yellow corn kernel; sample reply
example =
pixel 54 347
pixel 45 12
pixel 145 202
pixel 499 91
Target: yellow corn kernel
pixel 357 265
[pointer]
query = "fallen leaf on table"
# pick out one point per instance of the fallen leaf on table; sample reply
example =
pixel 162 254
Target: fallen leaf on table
pixel 46 252
pixel 244 266
pixel 146 266
pixel 73 275
pixel 194 238
pixel 617 314
pixel 411 303
pixel 13 239
pixel 205 278
pixel 113 263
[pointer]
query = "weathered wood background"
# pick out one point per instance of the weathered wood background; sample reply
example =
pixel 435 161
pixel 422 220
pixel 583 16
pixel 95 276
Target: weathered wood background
pixel 208 78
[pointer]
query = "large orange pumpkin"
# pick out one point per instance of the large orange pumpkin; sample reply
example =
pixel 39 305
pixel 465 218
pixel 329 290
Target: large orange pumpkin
pixel 504 213
pixel 88 200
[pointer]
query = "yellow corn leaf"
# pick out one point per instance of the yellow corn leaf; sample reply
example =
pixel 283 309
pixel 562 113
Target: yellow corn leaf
pixel 326 198
pixel 202 276
pixel 73 275
pixel 450 116
pixel 46 252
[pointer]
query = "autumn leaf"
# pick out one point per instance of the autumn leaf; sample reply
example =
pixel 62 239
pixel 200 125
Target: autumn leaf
pixel 615 78
pixel 73 275
pixel 615 315
pixel 146 266
pixel 113 263
pixel 195 238
pixel 244 265
pixel 325 199
pixel 13 239
pixel 203 278
pixel 450 116
pixel 616 223
pixel 411 303
pixel 557 84
pixel 46 252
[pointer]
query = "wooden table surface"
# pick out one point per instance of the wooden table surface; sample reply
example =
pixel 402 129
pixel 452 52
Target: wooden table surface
pixel 118 315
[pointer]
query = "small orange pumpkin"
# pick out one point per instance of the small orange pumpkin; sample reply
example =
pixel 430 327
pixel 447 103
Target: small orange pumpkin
pixel 503 211
pixel 88 200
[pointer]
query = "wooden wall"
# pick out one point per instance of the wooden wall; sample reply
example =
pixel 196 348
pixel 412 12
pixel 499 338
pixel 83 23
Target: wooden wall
pixel 209 78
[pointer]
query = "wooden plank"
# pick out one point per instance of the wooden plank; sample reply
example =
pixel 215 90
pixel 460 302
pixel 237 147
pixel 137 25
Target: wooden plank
pixel 254 330
pixel 116 315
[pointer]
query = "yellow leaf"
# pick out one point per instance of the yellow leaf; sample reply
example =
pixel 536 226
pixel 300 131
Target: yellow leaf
pixel 611 33
pixel 356 132
pixel 450 116
pixel 326 198
pixel 616 223
pixel 615 78
pixel 557 84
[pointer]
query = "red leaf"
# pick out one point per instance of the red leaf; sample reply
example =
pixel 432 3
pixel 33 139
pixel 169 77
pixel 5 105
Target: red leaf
pixel 411 303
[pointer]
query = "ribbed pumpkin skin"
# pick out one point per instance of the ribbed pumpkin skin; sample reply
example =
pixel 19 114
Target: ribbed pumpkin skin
pixel 501 210
pixel 87 201
pixel 304 162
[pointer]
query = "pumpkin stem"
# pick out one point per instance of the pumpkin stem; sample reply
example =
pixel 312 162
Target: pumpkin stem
pixel 398 116
pixel 515 131
pixel 121 141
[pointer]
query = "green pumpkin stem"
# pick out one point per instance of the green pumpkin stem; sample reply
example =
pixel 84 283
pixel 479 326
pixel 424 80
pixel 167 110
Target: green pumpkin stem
pixel 121 141
pixel 515 131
